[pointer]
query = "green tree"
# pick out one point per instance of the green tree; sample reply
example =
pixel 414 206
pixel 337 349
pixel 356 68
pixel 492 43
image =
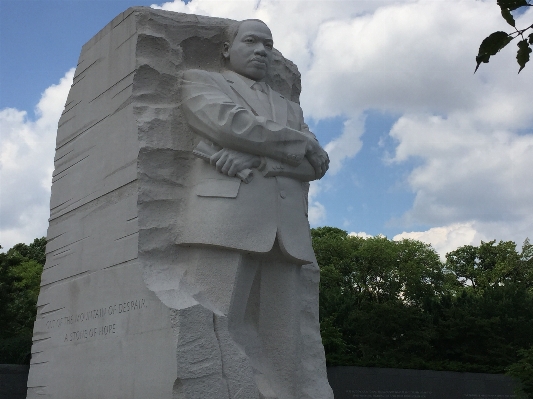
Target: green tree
pixel 390 303
pixel 483 321
pixel 482 331
pixel 20 277
pixel 491 264
pixel 523 371
pixel 373 295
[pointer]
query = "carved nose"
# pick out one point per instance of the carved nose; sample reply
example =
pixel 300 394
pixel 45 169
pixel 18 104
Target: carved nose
pixel 260 50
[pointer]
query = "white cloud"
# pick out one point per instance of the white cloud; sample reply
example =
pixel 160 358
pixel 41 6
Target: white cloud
pixel 471 135
pixel 361 234
pixel 403 57
pixel 316 211
pixel 446 238
pixel 294 24
pixel 347 145
pixel 26 165
pixel 467 170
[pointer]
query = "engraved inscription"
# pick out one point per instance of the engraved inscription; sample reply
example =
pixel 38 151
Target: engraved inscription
pixel 487 396
pixel 356 393
pixel 107 312
pixel 90 333
pixel 111 310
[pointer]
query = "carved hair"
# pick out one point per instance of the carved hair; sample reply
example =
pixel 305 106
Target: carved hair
pixel 232 29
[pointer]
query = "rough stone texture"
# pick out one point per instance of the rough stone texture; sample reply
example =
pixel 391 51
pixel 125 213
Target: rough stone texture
pixel 109 316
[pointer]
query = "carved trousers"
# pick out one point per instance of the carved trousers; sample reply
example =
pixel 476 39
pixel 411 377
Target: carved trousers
pixel 247 327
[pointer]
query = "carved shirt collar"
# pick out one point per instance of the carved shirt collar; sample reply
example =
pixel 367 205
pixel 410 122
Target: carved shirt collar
pixel 249 82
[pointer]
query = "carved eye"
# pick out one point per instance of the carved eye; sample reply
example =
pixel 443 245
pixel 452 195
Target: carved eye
pixel 249 40
pixel 269 46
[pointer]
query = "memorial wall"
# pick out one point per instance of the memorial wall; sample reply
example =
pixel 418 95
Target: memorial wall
pixel 374 382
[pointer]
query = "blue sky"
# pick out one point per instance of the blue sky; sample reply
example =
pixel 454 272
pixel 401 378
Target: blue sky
pixel 41 40
pixel 368 194
pixel 420 146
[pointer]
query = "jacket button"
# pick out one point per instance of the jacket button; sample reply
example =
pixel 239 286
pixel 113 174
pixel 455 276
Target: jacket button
pixel 282 194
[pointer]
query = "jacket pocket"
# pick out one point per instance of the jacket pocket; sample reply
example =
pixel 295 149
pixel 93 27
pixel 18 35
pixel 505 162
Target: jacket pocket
pixel 218 188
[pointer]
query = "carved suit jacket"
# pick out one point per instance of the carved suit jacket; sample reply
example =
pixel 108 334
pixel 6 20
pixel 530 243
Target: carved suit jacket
pixel 225 212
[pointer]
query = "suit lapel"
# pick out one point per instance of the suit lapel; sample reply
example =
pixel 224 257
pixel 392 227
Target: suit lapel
pixel 278 103
pixel 248 97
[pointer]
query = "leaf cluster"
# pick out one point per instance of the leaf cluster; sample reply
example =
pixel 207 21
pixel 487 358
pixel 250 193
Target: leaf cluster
pixel 20 278
pixel 523 371
pixel 496 41
pixel 491 264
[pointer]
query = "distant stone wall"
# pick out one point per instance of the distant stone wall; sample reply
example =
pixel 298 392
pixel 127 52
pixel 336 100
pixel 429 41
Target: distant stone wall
pixel 373 382
pixel 356 383
pixel 13 379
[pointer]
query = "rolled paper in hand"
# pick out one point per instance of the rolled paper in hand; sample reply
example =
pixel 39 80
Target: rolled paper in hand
pixel 205 151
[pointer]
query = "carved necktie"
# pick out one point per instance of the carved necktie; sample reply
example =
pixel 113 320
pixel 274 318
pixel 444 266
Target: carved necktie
pixel 261 93
pixel 259 87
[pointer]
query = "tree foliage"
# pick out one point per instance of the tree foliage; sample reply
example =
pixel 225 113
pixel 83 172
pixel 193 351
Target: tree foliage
pixel 391 303
pixel 523 371
pixel 382 285
pixel 20 278
pixel 496 41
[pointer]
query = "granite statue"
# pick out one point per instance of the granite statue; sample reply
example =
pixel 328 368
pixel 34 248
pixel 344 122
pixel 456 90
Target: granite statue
pixel 248 236
pixel 179 263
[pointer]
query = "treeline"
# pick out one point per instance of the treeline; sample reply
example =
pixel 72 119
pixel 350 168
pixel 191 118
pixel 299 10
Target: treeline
pixel 387 303
pixel 383 303
pixel 20 278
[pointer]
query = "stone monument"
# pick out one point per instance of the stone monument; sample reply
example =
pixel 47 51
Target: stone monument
pixel 179 262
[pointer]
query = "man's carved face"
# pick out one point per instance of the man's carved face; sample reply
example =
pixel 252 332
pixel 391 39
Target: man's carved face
pixel 251 51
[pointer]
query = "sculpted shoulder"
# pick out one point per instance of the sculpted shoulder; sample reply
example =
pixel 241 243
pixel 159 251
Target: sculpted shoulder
pixel 295 111
pixel 295 106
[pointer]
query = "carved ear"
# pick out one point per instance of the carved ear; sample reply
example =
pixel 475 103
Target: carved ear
pixel 225 51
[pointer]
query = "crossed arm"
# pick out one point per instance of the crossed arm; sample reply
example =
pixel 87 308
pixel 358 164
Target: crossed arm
pixel 231 162
pixel 248 140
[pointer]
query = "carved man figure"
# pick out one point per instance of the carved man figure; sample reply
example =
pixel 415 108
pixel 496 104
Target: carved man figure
pixel 248 262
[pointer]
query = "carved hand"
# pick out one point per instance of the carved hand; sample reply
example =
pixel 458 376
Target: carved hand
pixel 317 157
pixel 231 162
